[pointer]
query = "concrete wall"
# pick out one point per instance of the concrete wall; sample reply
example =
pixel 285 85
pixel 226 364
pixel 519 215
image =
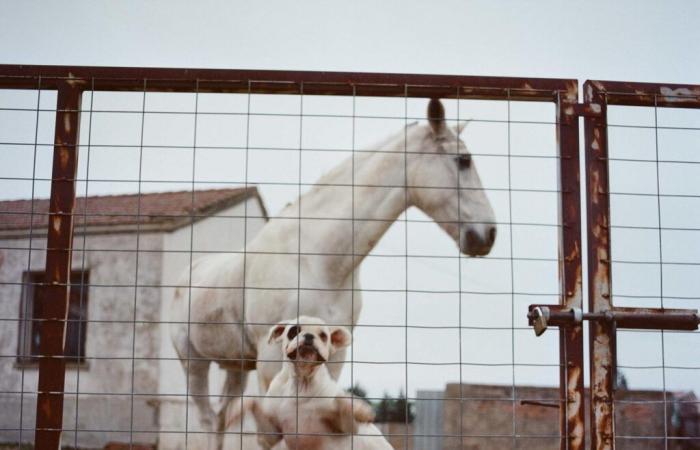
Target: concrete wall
pixel 428 423
pixel 399 435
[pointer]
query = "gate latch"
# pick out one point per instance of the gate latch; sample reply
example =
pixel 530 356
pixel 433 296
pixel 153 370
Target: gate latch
pixel 542 316
pixel 539 317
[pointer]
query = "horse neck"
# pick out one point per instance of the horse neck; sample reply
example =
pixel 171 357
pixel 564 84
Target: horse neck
pixel 366 209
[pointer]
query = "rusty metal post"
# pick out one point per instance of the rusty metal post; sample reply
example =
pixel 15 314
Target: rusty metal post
pixel 602 334
pixel 54 307
pixel 571 417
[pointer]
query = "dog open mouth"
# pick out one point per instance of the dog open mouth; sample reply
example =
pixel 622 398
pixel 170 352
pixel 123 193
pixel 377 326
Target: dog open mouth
pixel 306 353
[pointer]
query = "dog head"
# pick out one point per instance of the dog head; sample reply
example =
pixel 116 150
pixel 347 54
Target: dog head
pixel 308 340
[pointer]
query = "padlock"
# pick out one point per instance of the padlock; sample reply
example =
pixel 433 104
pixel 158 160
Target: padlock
pixel 540 315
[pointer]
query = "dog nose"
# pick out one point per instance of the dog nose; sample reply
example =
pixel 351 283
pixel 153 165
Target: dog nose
pixel 308 338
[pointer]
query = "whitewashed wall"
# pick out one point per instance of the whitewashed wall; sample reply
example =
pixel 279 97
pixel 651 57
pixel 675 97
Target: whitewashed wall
pixel 118 394
pixel 105 381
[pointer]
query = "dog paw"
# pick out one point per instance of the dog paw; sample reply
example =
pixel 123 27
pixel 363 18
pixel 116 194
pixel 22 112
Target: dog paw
pixel 362 411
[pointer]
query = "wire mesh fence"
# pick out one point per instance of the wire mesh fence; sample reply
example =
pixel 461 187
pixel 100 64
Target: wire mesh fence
pixel 213 205
pixel 653 234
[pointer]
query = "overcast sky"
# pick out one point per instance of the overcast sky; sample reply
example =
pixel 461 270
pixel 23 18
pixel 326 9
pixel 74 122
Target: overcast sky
pixel 624 40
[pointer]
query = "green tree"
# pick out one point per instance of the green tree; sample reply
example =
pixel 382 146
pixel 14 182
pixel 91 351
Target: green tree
pixel 359 391
pixel 397 409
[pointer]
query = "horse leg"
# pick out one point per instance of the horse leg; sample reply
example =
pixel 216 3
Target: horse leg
pixel 234 385
pixel 268 365
pixel 197 372
pixel 197 380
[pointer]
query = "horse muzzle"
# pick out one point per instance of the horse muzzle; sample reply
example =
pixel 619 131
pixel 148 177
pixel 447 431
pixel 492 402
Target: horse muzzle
pixel 473 243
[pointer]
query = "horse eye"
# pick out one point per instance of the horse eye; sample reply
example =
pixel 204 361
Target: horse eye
pixel 292 333
pixel 464 161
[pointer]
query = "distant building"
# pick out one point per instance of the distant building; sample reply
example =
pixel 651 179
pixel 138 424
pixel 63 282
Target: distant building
pixel 429 419
pixel 121 384
pixel 490 418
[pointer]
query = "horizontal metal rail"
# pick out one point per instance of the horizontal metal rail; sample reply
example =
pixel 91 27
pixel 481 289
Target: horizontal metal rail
pixel 285 82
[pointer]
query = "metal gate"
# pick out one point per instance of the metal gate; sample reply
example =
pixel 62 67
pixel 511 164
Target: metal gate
pixel 605 318
pixel 71 84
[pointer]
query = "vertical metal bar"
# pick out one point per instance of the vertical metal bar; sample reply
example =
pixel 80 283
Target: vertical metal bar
pixel 25 305
pixel 514 410
pixel 54 306
pixel 572 417
pixel 602 334
pixel 661 265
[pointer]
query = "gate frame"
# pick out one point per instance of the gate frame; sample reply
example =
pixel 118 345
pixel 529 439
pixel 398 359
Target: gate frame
pixel 604 318
pixel 602 333
pixel 71 82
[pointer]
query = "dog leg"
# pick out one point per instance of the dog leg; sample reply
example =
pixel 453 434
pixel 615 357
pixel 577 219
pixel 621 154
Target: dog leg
pixel 269 431
pixel 346 415
pixel 335 362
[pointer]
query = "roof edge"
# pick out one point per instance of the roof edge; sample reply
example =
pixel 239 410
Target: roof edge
pixel 162 227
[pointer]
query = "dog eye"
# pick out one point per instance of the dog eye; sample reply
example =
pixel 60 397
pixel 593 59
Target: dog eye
pixel 464 161
pixel 324 336
pixel 293 331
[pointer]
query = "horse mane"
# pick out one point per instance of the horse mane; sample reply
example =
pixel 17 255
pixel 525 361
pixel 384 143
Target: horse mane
pixel 363 156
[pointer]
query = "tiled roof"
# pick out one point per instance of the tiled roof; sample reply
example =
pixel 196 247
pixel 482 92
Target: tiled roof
pixel 167 209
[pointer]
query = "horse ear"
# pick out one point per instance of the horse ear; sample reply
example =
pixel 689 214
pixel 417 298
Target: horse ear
pixel 436 115
pixel 461 126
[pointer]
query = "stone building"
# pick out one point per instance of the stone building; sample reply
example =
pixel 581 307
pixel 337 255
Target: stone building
pixel 129 251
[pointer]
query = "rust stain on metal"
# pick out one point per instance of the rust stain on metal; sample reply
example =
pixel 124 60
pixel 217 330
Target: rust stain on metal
pixel 56 274
pixel 679 94
pixel 602 340
pixel 573 255
pixel 575 405
pixel 647 94
pixel 54 305
pixel 575 398
pixel 271 81
pixel 64 155
pixel 596 108
pixel 56 223
pixel 46 409
pixel 571 417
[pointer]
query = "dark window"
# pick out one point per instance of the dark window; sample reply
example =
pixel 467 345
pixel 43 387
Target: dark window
pixel 30 329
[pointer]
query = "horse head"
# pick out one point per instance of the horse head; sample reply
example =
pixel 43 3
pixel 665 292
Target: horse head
pixel 443 182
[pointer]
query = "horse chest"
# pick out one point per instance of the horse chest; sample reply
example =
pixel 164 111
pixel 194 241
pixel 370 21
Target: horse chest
pixel 334 305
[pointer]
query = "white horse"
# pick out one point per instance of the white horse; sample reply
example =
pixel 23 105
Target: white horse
pixel 307 266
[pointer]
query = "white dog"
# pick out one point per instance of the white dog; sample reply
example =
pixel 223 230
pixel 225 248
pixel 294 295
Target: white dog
pixel 304 405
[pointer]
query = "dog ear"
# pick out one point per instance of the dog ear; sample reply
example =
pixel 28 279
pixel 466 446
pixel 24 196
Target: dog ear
pixel 340 337
pixel 276 332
